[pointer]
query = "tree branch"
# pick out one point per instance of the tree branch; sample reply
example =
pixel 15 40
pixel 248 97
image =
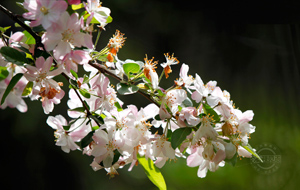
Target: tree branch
pixel 15 18
pixel 105 71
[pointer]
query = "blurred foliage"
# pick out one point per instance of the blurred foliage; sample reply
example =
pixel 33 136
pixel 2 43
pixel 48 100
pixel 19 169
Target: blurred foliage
pixel 250 50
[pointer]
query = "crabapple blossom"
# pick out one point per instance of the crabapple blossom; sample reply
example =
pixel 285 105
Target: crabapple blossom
pixel 191 119
pixel 65 35
pixel 14 98
pixel 44 12
pixel 170 60
pixel 96 10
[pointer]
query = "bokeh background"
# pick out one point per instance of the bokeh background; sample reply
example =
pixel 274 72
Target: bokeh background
pixel 250 49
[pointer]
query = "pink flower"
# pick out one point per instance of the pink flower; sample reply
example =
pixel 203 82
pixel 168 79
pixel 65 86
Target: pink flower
pixel 190 115
pixel 65 35
pixel 74 58
pixel 64 139
pixel 100 13
pixel 14 98
pixel 45 12
pixel 41 74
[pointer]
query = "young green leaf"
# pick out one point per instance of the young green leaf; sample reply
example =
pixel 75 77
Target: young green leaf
pixel 252 151
pixel 11 85
pixel 3 29
pixel 131 68
pixel 152 172
pixel 76 7
pixel 3 73
pixel 125 89
pixel 13 55
pixel 74 74
pixel 28 88
pixel 109 19
pixel 118 106
pixel 30 39
pixel 179 135
pixel 85 93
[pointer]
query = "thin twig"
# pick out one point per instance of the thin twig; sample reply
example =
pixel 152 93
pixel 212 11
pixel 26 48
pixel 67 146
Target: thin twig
pixel 15 18
pixel 105 71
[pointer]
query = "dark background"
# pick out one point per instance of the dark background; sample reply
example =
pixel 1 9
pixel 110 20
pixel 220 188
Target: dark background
pixel 251 49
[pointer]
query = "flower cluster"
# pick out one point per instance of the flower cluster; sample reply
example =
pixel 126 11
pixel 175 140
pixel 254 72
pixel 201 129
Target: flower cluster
pixel 198 121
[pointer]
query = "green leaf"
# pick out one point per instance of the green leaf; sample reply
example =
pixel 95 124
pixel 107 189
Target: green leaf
pixel 85 93
pixel 109 19
pixel 28 88
pixel 116 156
pixel 152 172
pixel 118 106
pixel 97 118
pixel 76 7
pixel 74 74
pixel 13 55
pixel 3 73
pixel 11 85
pixel 73 84
pixel 179 135
pixel 3 29
pixel 87 139
pixel 211 112
pixel 86 79
pixel 29 38
pixel 66 127
pixel 78 109
pixel 157 117
pixel 252 151
pixel 131 68
pixel 125 89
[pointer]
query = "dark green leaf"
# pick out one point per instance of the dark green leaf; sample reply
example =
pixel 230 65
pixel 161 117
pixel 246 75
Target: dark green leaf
pixel 157 117
pixel 125 89
pixel 66 127
pixel 179 135
pixel 116 156
pixel 211 112
pixel 152 172
pixel 73 83
pixel 97 118
pixel 11 85
pixel 3 73
pixel 28 88
pixel 87 139
pixel 79 109
pixel 13 55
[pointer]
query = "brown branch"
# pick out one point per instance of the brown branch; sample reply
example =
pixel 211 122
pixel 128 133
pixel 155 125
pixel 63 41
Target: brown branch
pixel 105 71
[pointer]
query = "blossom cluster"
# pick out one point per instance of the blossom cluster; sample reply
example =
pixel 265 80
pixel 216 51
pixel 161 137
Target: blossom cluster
pixel 199 121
